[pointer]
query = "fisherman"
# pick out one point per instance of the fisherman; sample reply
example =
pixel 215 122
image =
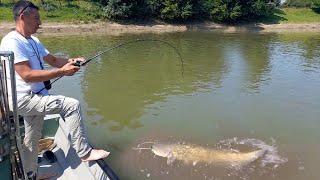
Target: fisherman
pixel 32 77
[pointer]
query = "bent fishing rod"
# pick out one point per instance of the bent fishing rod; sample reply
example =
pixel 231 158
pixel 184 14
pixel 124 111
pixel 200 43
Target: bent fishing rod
pixel 80 63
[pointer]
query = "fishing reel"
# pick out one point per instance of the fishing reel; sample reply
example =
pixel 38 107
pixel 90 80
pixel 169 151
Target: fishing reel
pixel 79 63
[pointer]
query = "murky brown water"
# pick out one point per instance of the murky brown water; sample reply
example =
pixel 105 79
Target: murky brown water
pixel 234 88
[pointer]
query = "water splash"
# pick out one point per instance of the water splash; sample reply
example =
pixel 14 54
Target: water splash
pixel 264 165
pixel 271 158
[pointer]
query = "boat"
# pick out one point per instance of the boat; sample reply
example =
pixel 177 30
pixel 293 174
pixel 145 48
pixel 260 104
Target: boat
pixel 66 163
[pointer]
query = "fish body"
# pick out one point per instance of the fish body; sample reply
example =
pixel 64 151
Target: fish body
pixel 194 154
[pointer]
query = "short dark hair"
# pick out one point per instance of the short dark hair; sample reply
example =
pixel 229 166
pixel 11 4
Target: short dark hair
pixel 21 7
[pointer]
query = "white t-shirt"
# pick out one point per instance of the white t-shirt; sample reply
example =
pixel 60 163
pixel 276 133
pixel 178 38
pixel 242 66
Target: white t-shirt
pixel 24 50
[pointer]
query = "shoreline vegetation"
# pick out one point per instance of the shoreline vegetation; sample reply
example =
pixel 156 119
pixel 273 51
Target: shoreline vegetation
pixel 85 17
pixel 113 28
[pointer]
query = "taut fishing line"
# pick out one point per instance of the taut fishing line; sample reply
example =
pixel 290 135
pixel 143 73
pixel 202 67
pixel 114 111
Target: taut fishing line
pixel 79 63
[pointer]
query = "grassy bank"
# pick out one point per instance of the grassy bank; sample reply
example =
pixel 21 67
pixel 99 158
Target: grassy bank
pixel 61 11
pixel 75 11
pixel 292 15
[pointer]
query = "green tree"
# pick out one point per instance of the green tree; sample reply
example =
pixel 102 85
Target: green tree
pixel 117 9
pixel 238 10
pixel 315 4
pixel 182 10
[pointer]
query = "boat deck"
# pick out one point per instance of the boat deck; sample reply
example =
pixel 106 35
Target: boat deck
pixel 68 164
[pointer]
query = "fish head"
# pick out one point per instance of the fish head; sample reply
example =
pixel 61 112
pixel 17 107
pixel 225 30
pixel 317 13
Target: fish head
pixel 163 150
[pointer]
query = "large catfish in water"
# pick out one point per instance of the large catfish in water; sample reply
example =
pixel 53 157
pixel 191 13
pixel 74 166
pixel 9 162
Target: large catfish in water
pixel 194 154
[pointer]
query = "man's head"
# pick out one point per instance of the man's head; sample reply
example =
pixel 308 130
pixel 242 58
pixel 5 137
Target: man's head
pixel 26 14
pixel 23 7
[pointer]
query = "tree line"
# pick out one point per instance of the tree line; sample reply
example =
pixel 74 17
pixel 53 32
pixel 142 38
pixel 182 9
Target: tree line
pixel 226 11
pixel 315 4
pixel 229 11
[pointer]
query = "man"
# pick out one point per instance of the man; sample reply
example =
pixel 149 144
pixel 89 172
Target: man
pixel 32 95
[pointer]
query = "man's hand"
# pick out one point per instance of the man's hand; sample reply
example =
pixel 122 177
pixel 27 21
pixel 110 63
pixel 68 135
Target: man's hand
pixel 69 69
pixel 74 60
pixel 60 62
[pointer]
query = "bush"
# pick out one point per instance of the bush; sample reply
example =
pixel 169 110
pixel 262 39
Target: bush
pixel 315 4
pixel 168 10
pixel 239 10
pixel 117 9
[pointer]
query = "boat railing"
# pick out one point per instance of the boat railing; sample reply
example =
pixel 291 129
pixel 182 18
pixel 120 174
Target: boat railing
pixel 11 136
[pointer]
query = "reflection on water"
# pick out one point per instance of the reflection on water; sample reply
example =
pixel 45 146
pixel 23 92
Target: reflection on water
pixel 245 85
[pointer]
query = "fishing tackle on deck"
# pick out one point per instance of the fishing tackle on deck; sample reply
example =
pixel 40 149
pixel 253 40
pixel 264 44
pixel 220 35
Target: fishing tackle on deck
pixel 79 63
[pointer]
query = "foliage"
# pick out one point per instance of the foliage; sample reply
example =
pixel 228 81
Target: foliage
pixel 117 9
pixel 297 3
pixel 69 10
pixel 315 4
pixel 183 10
pixel 162 9
pixel 226 11
pixel 276 2
pixel 6 14
pixel 298 15
pixel 239 10
pixel 175 9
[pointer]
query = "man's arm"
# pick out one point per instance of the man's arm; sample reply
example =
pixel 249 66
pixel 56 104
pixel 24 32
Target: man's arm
pixel 29 75
pixel 55 61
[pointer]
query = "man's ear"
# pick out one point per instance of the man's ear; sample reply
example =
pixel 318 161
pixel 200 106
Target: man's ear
pixel 21 17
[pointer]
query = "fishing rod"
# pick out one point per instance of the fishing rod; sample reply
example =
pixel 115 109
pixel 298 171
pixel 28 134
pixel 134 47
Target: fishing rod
pixel 80 63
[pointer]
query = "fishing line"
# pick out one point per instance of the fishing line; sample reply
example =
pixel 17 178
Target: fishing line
pixel 79 63
pixel 140 148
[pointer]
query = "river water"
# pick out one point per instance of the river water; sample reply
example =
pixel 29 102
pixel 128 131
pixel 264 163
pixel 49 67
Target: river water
pixel 236 92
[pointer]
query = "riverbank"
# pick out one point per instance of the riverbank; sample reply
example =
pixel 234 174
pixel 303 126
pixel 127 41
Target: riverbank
pixel 56 28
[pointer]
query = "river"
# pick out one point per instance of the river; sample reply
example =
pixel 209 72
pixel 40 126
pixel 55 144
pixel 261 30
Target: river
pixel 261 88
